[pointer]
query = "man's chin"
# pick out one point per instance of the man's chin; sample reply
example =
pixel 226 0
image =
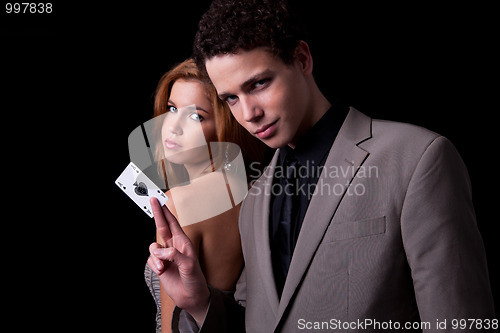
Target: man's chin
pixel 276 142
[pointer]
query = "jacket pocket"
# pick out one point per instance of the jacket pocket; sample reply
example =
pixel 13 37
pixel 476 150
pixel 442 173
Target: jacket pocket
pixel 356 229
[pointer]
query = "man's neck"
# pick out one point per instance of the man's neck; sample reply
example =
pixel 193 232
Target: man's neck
pixel 319 106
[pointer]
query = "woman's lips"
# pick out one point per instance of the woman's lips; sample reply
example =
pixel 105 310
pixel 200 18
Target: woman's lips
pixel 266 131
pixel 170 144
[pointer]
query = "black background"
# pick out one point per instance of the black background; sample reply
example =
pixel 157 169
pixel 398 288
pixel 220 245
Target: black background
pixel 76 82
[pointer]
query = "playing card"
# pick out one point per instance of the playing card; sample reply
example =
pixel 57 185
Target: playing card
pixel 140 188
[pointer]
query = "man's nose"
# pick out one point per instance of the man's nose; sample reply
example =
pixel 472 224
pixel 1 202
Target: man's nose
pixel 251 111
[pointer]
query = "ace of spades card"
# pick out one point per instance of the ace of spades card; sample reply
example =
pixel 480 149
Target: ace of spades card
pixel 140 188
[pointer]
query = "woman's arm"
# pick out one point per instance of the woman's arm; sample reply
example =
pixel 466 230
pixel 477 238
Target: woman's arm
pixel 167 308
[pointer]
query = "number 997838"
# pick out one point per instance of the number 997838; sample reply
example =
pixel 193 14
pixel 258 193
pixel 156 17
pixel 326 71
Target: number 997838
pixel 28 8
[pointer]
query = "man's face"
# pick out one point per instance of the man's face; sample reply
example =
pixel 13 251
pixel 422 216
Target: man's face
pixel 266 96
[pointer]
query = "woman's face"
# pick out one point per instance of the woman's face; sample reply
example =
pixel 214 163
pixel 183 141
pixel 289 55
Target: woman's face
pixel 188 124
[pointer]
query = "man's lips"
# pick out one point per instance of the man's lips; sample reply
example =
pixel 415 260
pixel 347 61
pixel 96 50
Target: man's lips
pixel 267 130
pixel 170 144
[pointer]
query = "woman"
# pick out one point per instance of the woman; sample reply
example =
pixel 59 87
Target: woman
pixel 203 173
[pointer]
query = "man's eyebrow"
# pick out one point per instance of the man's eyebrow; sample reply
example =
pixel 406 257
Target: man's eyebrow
pixel 254 78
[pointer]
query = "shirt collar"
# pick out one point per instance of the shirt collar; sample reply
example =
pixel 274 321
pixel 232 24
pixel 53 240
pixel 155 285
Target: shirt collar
pixel 317 141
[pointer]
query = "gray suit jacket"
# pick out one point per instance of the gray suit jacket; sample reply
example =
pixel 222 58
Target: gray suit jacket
pixel 389 238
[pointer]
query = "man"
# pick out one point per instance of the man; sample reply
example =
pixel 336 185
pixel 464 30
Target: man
pixel 373 228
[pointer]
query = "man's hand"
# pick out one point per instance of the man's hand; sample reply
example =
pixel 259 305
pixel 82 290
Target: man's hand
pixel 177 266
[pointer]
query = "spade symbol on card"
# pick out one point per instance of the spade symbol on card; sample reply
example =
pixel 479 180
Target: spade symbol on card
pixel 141 189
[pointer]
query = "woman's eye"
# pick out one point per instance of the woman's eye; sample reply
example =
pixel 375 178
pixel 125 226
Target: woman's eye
pixel 196 116
pixel 171 108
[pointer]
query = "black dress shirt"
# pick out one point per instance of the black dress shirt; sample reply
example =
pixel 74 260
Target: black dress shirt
pixel 311 153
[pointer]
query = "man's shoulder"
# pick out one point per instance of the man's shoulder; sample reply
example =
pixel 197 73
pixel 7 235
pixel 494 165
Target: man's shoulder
pixel 393 140
pixel 360 128
pixel 401 129
pixel 400 135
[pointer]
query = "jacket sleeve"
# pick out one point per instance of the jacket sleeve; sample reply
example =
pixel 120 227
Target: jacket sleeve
pixel 443 245
pixel 226 312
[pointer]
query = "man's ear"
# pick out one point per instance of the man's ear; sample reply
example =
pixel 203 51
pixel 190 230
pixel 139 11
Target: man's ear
pixel 303 57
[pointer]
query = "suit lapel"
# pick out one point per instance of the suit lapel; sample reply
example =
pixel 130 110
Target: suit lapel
pixel 262 233
pixel 346 157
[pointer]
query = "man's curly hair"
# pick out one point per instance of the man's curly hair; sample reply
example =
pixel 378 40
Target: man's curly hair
pixel 232 25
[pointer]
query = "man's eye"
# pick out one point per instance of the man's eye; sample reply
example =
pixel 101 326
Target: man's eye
pixel 231 100
pixel 171 108
pixel 260 83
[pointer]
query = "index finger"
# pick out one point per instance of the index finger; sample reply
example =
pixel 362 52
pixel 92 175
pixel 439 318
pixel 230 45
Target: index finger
pixel 173 224
pixel 160 220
